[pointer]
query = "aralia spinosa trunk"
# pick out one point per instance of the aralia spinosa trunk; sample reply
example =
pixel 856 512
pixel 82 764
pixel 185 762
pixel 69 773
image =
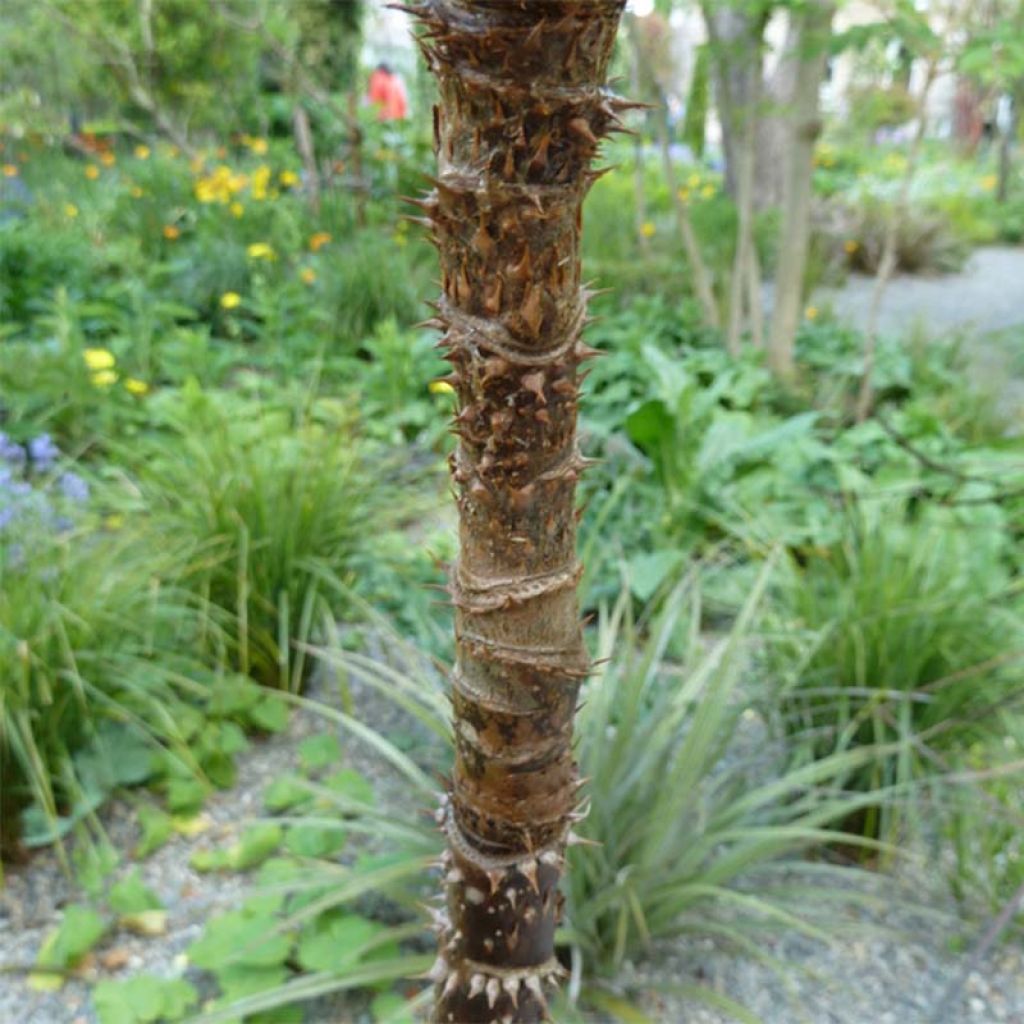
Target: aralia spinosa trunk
pixel 521 113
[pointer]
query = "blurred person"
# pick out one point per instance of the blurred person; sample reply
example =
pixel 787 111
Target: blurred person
pixel 386 92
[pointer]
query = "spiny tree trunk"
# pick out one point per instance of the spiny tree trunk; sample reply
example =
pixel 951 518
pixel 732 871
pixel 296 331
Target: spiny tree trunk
pixel 520 116
pixel 808 52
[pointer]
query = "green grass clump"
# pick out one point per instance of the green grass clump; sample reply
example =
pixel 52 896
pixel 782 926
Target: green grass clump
pixel 914 633
pixel 89 636
pixel 272 504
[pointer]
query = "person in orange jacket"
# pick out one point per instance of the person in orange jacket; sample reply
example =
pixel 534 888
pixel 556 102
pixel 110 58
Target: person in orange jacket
pixel 386 92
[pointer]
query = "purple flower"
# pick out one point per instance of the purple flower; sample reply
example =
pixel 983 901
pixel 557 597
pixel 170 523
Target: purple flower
pixel 10 452
pixel 44 452
pixel 73 487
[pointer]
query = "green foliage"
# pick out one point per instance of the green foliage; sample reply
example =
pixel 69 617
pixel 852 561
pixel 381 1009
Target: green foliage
pixel 88 653
pixel 80 929
pixel 909 628
pixel 142 999
pixel 693 815
pixel 270 503
pixel 924 240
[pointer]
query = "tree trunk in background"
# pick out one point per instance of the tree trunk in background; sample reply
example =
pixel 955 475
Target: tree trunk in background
pixel 1006 143
pixel 809 57
pixel 698 268
pixel 735 36
pixel 521 112
pixel 304 145
pixel 887 266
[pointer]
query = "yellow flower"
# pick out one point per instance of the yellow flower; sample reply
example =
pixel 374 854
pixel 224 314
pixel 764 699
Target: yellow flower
pixel 141 152
pixel 136 386
pixel 811 312
pixel 104 378
pixel 989 182
pixel 440 387
pixel 99 358
pixel 288 178
pixel 260 251
pixel 260 181
pixel 851 246
pixel 10 170
pixel 92 172
pixel 308 274
pixel 684 194
pixel 171 232
pixel 108 159
pixel 318 241
pixel 196 164
pixel 693 180
pixel 708 191
pixel 258 146
pixel 237 209
pixel 137 192
pixel 229 300
pixel 647 229
pixel 70 210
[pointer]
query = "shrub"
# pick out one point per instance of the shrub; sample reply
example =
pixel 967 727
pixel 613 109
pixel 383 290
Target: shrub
pixel 692 814
pixel 271 503
pixel 89 634
pixel 925 240
pixel 910 628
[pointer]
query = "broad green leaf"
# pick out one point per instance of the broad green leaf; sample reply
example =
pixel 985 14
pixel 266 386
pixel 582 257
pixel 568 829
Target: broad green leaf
pixel 240 938
pixel 285 793
pixel 132 896
pixel 156 829
pixel 317 752
pixel 80 929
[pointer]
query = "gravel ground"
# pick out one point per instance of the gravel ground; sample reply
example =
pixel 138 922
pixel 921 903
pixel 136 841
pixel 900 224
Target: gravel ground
pixel 34 895
pixel 889 964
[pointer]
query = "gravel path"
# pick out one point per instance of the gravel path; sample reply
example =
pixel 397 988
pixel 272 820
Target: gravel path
pixel 35 894
pixel 984 303
pixel 987 295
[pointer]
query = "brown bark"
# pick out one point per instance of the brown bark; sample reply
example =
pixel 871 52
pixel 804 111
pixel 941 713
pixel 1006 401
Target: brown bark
pixel 520 116
pixel 809 57
pixel 307 153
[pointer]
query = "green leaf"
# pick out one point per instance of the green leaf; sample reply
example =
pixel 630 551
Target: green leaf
pixel 285 793
pixel 80 929
pixel 205 861
pixel 648 571
pixel 94 861
pixel 334 940
pixel 270 714
pixel 240 938
pixel 391 1008
pixel 651 423
pixel 143 999
pixel 156 828
pixel 255 846
pixel 351 785
pixel 314 840
pixel 319 751
pixel 185 795
pixel 132 896
pixel 239 980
